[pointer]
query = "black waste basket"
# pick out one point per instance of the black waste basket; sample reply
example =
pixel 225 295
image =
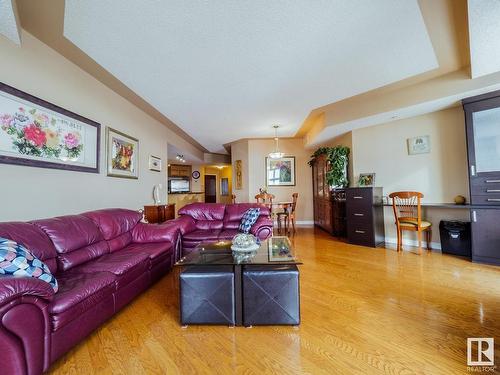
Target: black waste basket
pixel 455 238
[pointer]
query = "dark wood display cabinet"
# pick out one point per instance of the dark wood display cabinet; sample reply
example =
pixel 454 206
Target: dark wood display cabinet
pixel 329 206
pixel 365 216
pixel 160 213
pixel 482 120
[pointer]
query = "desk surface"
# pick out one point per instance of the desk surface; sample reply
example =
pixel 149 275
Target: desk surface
pixel 449 205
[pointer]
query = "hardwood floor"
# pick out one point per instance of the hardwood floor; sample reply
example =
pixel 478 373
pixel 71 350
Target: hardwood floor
pixel 364 311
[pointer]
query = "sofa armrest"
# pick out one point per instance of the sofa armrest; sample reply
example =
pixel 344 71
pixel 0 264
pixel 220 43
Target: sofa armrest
pixel 12 287
pixel 148 233
pixel 24 325
pixel 185 223
pixel 263 228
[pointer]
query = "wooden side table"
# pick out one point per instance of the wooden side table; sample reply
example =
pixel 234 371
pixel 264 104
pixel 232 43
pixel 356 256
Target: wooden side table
pixel 159 214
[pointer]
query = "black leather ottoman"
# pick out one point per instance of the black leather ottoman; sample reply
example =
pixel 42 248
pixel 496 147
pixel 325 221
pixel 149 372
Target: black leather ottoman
pixel 207 295
pixel 271 295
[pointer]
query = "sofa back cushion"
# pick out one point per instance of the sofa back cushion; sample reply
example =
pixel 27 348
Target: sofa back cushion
pixel 76 239
pixel 116 225
pixel 234 213
pixel 204 211
pixel 34 239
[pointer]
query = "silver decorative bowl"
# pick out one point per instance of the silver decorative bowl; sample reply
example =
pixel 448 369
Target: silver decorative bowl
pixel 244 242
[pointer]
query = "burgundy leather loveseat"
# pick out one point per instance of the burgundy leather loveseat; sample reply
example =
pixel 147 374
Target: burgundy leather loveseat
pixel 215 221
pixel 101 260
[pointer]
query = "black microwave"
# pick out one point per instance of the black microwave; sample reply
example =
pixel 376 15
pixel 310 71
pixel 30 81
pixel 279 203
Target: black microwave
pixel 180 185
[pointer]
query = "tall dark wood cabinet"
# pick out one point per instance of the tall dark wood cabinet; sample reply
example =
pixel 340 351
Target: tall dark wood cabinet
pixel 482 120
pixel 329 207
pixel 365 216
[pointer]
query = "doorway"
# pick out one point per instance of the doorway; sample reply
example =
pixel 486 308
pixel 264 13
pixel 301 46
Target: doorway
pixel 210 188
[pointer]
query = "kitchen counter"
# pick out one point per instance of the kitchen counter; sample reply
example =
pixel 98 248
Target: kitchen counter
pixel 182 199
pixel 190 192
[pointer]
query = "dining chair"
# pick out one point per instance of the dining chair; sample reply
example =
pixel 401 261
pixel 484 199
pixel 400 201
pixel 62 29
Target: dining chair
pixel 233 198
pixel 408 216
pixel 267 200
pixel 288 215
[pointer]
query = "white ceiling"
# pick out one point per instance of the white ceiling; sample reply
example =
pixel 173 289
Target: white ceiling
pixel 173 151
pixel 225 70
pixel 484 29
pixel 8 22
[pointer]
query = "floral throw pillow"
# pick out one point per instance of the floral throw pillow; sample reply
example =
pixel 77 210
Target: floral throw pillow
pixel 16 260
pixel 249 218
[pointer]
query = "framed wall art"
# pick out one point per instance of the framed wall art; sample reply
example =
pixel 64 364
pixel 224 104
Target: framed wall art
pixel 155 163
pixel 239 175
pixel 37 133
pixel 280 172
pixel 419 145
pixel 122 154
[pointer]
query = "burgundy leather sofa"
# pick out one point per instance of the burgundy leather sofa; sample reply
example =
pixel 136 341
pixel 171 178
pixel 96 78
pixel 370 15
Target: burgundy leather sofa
pixel 214 221
pixel 101 259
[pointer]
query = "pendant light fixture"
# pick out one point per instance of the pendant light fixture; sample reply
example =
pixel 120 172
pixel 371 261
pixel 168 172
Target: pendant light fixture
pixel 276 154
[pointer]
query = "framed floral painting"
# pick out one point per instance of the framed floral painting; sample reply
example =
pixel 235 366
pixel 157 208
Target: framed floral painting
pixel 122 154
pixel 37 133
pixel 280 172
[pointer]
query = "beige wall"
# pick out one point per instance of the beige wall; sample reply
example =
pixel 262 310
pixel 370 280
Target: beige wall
pixel 440 175
pixel 36 192
pixel 197 184
pixel 239 151
pixel 254 172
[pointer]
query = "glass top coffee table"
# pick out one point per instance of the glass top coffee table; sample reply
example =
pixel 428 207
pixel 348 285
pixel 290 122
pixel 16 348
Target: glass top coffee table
pixel 274 251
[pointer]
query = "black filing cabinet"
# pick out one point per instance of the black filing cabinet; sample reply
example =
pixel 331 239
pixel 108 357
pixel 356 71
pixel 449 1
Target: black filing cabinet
pixel 365 216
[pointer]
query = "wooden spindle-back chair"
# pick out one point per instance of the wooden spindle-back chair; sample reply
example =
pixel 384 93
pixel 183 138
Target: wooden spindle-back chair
pixel 288 215
pixel 408 216
pixel 267 200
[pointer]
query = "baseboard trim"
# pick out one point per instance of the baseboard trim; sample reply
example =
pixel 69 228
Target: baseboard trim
pixel 434 245
pixel 300 223
pixel 305 223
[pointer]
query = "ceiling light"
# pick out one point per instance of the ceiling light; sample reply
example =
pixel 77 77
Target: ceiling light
pixel 276 154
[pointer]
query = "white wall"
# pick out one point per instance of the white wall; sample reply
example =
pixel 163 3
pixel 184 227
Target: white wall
pixel 29 193
pixel 440 175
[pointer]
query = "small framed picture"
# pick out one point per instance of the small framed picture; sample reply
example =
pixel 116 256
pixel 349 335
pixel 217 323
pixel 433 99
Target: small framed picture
pixel 366 179
pixel 279 249
pixel 419 145
pixel 122 154
pixel 154 163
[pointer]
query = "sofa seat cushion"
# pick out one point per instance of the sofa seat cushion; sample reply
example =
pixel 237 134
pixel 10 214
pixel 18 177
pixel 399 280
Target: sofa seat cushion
pixel 153 250
pixel 79 292
pixel 202 235
pixel 127 264
pixel 228 234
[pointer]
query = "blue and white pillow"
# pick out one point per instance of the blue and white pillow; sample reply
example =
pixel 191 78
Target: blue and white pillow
pixel 16 260
pixel 249 218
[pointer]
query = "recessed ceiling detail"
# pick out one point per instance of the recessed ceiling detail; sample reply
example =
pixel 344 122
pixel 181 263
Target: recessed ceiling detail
pixel 8 22
pixel 227 70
